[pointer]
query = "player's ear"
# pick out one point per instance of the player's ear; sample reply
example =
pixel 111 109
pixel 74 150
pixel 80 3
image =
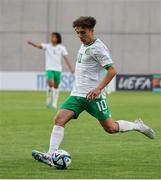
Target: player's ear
pixel 92 30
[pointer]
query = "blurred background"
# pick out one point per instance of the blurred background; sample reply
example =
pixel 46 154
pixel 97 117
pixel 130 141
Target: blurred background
pixel 130 28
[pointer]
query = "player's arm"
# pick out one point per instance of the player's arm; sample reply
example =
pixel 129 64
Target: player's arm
pixel 111 72
pixel 105 81
pixel 35 45
pixel 69 64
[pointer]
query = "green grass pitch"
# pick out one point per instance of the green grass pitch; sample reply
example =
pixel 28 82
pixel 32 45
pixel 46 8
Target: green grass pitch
pixel 26 124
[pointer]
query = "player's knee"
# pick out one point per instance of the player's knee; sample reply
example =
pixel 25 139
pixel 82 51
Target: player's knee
pixel 59 120
pixel 56 86
pixel 50 84
pixel 110 130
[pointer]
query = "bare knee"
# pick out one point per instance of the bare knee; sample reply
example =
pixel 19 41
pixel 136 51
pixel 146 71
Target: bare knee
pixel 110 126
pixel 56 86
pixel 110 130
pixel 50 84
pixel 63 116
pixel 113 128
pixel 60 121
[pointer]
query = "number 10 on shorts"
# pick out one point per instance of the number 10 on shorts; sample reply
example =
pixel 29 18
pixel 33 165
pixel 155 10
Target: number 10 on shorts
pixel 101 105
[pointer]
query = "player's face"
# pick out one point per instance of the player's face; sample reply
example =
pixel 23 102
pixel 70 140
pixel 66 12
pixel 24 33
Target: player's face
pixel 84 34
pixel 54 39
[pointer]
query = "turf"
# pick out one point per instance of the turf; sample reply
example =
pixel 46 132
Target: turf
pixel 26 124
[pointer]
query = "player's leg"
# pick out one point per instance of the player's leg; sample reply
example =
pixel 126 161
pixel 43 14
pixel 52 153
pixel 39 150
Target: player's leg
pixel 111 126
pixel 100 110
pixel 55 89
pixel 62 117
pixel 124 126
pixel 50 82
pixel 70 109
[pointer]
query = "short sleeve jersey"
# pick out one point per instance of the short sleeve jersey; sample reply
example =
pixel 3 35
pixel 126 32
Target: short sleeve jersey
pixel 54 56
pixel 90 65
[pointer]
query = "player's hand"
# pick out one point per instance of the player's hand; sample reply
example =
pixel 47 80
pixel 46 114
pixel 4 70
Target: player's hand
pixel 93 94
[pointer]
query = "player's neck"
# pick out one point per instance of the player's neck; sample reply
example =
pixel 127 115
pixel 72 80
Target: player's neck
pixel 90 42
pixel 54 44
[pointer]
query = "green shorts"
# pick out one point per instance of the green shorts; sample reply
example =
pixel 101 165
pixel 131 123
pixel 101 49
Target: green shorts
pixel 97 108
pixel 54 76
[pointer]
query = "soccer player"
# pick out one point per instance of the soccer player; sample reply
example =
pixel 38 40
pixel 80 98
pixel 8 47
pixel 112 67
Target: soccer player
pixel 54 53
pixel 88 91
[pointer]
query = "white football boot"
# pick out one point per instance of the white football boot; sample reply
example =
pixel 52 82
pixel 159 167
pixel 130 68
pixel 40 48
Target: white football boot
pixel 144 129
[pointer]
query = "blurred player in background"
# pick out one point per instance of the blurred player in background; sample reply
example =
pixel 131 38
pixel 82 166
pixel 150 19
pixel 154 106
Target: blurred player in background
pixel 54 53
pixel 88 93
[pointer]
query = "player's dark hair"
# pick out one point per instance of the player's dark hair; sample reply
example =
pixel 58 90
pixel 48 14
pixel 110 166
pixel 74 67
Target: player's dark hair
pixel 85 22
pixel 58 36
